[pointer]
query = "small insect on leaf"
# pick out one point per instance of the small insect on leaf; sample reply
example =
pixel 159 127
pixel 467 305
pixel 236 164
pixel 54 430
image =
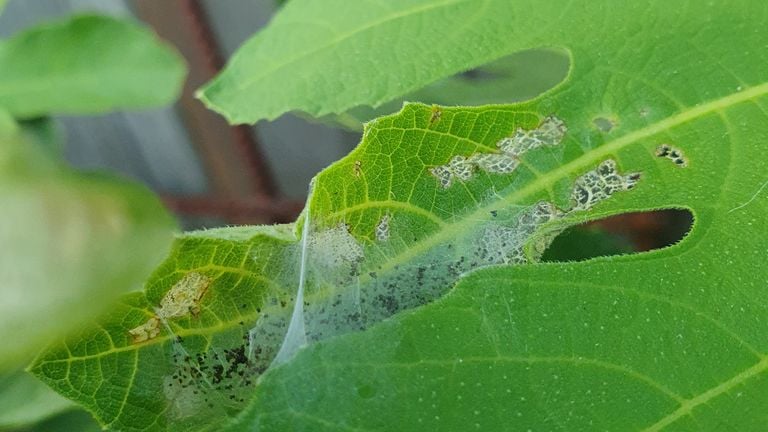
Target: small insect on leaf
pixel 436 113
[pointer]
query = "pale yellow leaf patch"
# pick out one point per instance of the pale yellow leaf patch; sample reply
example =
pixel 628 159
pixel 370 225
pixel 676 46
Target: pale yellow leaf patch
pixel 181 300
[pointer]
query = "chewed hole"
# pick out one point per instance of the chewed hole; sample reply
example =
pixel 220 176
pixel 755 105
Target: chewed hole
pixel 620 234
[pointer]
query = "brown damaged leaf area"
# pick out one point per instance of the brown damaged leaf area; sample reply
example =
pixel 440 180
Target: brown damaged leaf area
pixel 181 300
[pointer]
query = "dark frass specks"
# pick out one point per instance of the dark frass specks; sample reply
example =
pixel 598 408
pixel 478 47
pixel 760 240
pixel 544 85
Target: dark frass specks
pixel 208 382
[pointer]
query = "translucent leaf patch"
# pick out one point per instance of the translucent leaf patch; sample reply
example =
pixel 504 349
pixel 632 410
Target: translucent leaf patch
pixel 549 133
pixel 182 299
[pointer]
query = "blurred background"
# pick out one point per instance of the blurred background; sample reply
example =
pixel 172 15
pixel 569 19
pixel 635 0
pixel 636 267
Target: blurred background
pixel 206 171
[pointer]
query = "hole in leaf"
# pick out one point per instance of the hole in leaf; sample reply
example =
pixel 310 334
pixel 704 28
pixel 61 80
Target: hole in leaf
pixel 514 78
pixel 620 234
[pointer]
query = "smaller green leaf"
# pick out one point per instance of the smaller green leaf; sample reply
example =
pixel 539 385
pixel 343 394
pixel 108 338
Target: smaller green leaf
pixel 69 243
pixel 86 64
pixel 26 401
pixel 370 54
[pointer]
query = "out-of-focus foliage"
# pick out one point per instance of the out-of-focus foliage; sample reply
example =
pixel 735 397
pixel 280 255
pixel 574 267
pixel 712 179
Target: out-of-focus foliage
pixel 86 64
pixel 70 241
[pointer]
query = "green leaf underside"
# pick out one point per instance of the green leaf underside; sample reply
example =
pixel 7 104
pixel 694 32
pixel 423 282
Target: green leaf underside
pixel 71 243
pixel 86 64
pixel 517 77
pixel 669 339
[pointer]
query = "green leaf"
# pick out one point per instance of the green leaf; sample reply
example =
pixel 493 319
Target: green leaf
pixel 332 63
pixel 26 401
pixel 673 339
pixel 70 243
pixel 372 53
pixel 86 64
pixel 44 133
pixel 435 196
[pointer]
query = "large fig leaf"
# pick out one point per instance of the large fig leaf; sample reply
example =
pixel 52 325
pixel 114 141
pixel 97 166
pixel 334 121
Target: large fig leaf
pixel 659 111
pixel 86 64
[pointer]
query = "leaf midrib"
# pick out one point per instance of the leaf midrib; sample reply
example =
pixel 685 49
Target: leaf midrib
pixel 687 407
pixel 688 404
pixel 177 331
